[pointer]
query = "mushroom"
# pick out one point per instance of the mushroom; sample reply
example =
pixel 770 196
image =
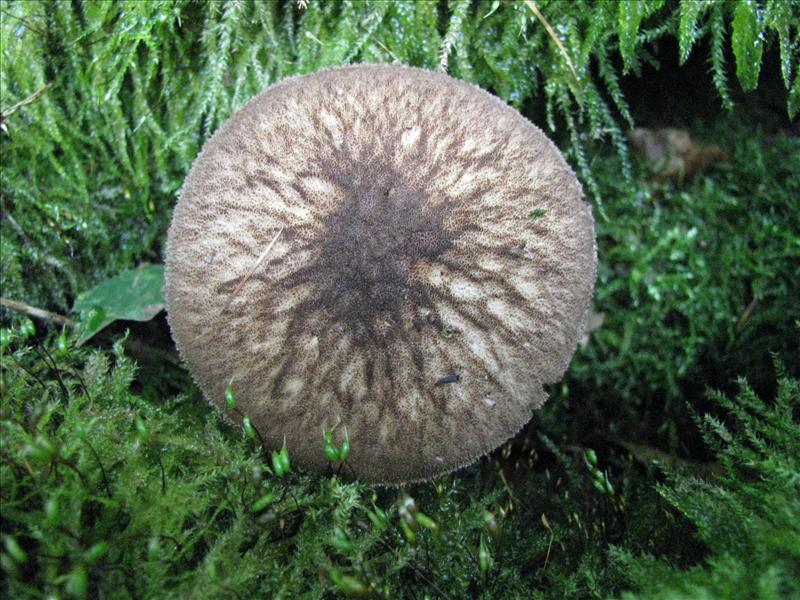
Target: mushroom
pixel 386 252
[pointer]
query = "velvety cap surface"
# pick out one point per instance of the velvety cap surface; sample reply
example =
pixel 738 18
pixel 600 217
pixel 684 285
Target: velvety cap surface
pixel 432 268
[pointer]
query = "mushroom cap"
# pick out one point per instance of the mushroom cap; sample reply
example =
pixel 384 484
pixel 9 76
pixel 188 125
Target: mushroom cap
pixel 387 249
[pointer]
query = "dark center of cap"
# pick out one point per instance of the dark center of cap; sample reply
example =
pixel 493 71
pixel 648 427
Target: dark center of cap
pixel 370 246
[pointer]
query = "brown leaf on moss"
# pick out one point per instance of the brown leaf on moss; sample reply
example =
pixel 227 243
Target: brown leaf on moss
pixel 673 153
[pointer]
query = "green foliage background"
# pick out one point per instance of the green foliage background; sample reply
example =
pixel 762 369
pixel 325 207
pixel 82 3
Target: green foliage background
pixel 117 481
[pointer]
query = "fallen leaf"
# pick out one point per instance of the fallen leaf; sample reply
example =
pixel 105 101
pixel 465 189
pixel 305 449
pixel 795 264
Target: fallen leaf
pixel 673 153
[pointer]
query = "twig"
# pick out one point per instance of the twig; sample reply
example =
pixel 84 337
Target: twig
pixel 17 227
pixel 646 455
pixel 382 45
pixel 7 112
pixel 508 487
pixel 247 277
pixel 149 353
pixel 746 315
pixel 552 34
pixel 24 22
pixel 37 313
pixel 546 524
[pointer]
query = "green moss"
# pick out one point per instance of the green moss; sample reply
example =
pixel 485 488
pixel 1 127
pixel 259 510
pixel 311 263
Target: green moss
pixel 695 283
pixel 746 513
pixel 147 498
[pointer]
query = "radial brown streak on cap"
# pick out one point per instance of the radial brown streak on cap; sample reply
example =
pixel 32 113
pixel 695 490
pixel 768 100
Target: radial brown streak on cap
pixel 410 297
